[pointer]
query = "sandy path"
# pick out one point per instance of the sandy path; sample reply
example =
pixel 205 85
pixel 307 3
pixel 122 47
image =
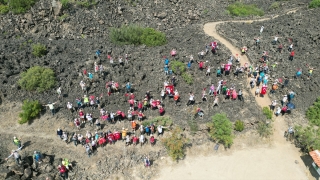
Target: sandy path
pixel 275 162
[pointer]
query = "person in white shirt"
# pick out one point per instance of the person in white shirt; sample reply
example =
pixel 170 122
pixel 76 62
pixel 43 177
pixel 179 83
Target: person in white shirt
pixel 16 156
pixel 191 99
pixel 69 107
pixel 51 107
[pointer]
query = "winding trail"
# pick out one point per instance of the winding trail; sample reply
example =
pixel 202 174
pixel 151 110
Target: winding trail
pixel 269 162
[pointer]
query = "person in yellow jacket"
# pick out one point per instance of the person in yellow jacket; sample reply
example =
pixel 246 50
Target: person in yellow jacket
pixel 124 133
pixel 17 142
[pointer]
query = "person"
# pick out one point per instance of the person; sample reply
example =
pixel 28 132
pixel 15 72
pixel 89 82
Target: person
pixel 275 40
pixel 273 105
pixel 59 133
pixel 191 99
pixel 261 29
pixel 257 91
pixel 77 123
pixel 215 102
pixel 240 95
pixel 63 171
pixel 280 47
pixel 200 112
pixel 290 47
pixel 152 140
pixel 51 107
pixel 257 40
pixel 166 61
pixel 146 162
pixel 141 139
pixel 69 107
pixel 201 54
pixel 133 126
pixel 66 163
pixel 291 95
pixel 88 149
pixel 124 133
pixel 65 137
pixel 83 85
pixel 140 115
pixel 166 70
pixel 291 55
pixel 135 140
pixel 17 142
pixel 310 71
pixel 162 94
pixel 75 139
pixel 284 100
pixel 98 125
pixel 147 130
pixel 160 130
pixel 89 118
pixel 278 111
pixel 16 156
pixel 173 52
pixel 59 92
pixel 37 157
pixel 128 87
pixel 299 73
pixel 208 71
pixel 128 140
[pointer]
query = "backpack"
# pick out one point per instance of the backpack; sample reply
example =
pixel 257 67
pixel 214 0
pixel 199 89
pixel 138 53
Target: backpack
pixel 37 156
pixel 128 86
pixel 218 72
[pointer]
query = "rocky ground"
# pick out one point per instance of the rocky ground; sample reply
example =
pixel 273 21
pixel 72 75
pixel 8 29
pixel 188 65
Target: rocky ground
pixel 71 43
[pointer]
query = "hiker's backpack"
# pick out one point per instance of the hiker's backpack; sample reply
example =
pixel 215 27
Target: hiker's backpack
pixel 128 86
pixel 37 156
pixel 218 72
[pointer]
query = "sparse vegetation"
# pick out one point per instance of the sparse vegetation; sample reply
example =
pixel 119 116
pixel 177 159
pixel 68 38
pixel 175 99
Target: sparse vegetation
pixel 16 6
pixel 187 78
pixel 160 120
pixel 313 113
pixel 239 125
pixel 240 9
pixel 30 109
pixel 193 126
pixel 63 17
pixel 39 50
pixel 86 3
pixel 314 4
pixel 137 35
pixel 175 144
pixel 37 79
pixel 267 112
pixel 178 67
pixel 220 129
pixel 264 129
pixel 274 5
pixel 308 138
pixel 65 3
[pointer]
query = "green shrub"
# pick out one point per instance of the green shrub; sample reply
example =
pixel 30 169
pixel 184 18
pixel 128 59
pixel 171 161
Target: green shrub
pixel 314 4
pixel 37 78
pixel 63 17
pixel 267 112
pixel 175 144
pixel 240 9
pixel 239 125
pixel 264 129
pixel 220 129
pixel 86 3
pixel 4 9
pixel 187 78
pixel 65 3
pixel 20 6
pixel 274 5
pixel 151 37
pixel 178 67
pixel 39 50
pixel 30 109
pixel 313 113
pixel 134 34
pixel 308 137
pixel 160 120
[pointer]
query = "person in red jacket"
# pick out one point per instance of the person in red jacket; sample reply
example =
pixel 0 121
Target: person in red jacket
pixel 291 55
pixel 63 171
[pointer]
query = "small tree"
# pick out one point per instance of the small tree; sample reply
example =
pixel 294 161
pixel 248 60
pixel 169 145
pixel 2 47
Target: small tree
pixel 308 137
pixel 30 109
pixel 239 125
pixel 39 50
pixel 313 112
pixel 175 144
pixel 267 112
pixel 264 129
pixel 37 78
pixel 220 129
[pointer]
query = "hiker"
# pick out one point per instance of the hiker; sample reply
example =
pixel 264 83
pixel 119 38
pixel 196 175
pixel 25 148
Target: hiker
pixel 166 70
pixel 273 105
pixel 77 123
pixel 162 94
pixel 176 97
pixel 240 95
pixel 69 107
pixel 59 133
pixel 173 52
pixel 160 130
pixel 204 95
pixel 275 40
pixel 130 115
pixel 299 73
pixel 135 140
pixel 16 156
pixel 201 54
pixel 90 76
pixel 257 92
pixel 290 47
pixel 86 100
pixel 161 110
pixel 75 139
pixel 201 64
pixel 128 141
pixel 141 139
pixel 208 71
pixel 152 140
pixel 63 171
pixel 216 101
pixel 261 29
pixel 51 107
pixel 200 112
pixel 59 92
pixel 310 71
pixel 291 95
pixel 291 55
pixel 274 87
pixel 244 50
pixel 211 90
pixel 124 133
pixel 88 150
pixel 128 87
pixel 146 162
pixel 140 116
pixel 66 163
pixel 37 157
pixel 79 103
pixel 284 100
pixel 133 126
pixel 81 116
pixel 191 99
pixel 280 47
pixel 65 137
pixel 257 40
pixel 166 61
pixel 278 111
pixel 83 85
pixel 98 125
pixel 17 142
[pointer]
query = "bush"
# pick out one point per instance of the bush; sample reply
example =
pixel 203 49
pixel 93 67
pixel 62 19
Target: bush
pixel 65 3
pixel 137 35
pixel 267 112
pixel 151 37
pixel 264 129
pixel 239 125
pixel 20 6
pixel 30 109
pixel 313 113
pixel 160 120
pixel 178 67
pixel 4 9
pixel 274 5
pixel 187 78
pixel 308 138
pixel 220 129
pixel 87 3
pixel 175 144
pixel 37 78
pixel 314 4
pixel 240 9
pixel 39 50
pixel 63 17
